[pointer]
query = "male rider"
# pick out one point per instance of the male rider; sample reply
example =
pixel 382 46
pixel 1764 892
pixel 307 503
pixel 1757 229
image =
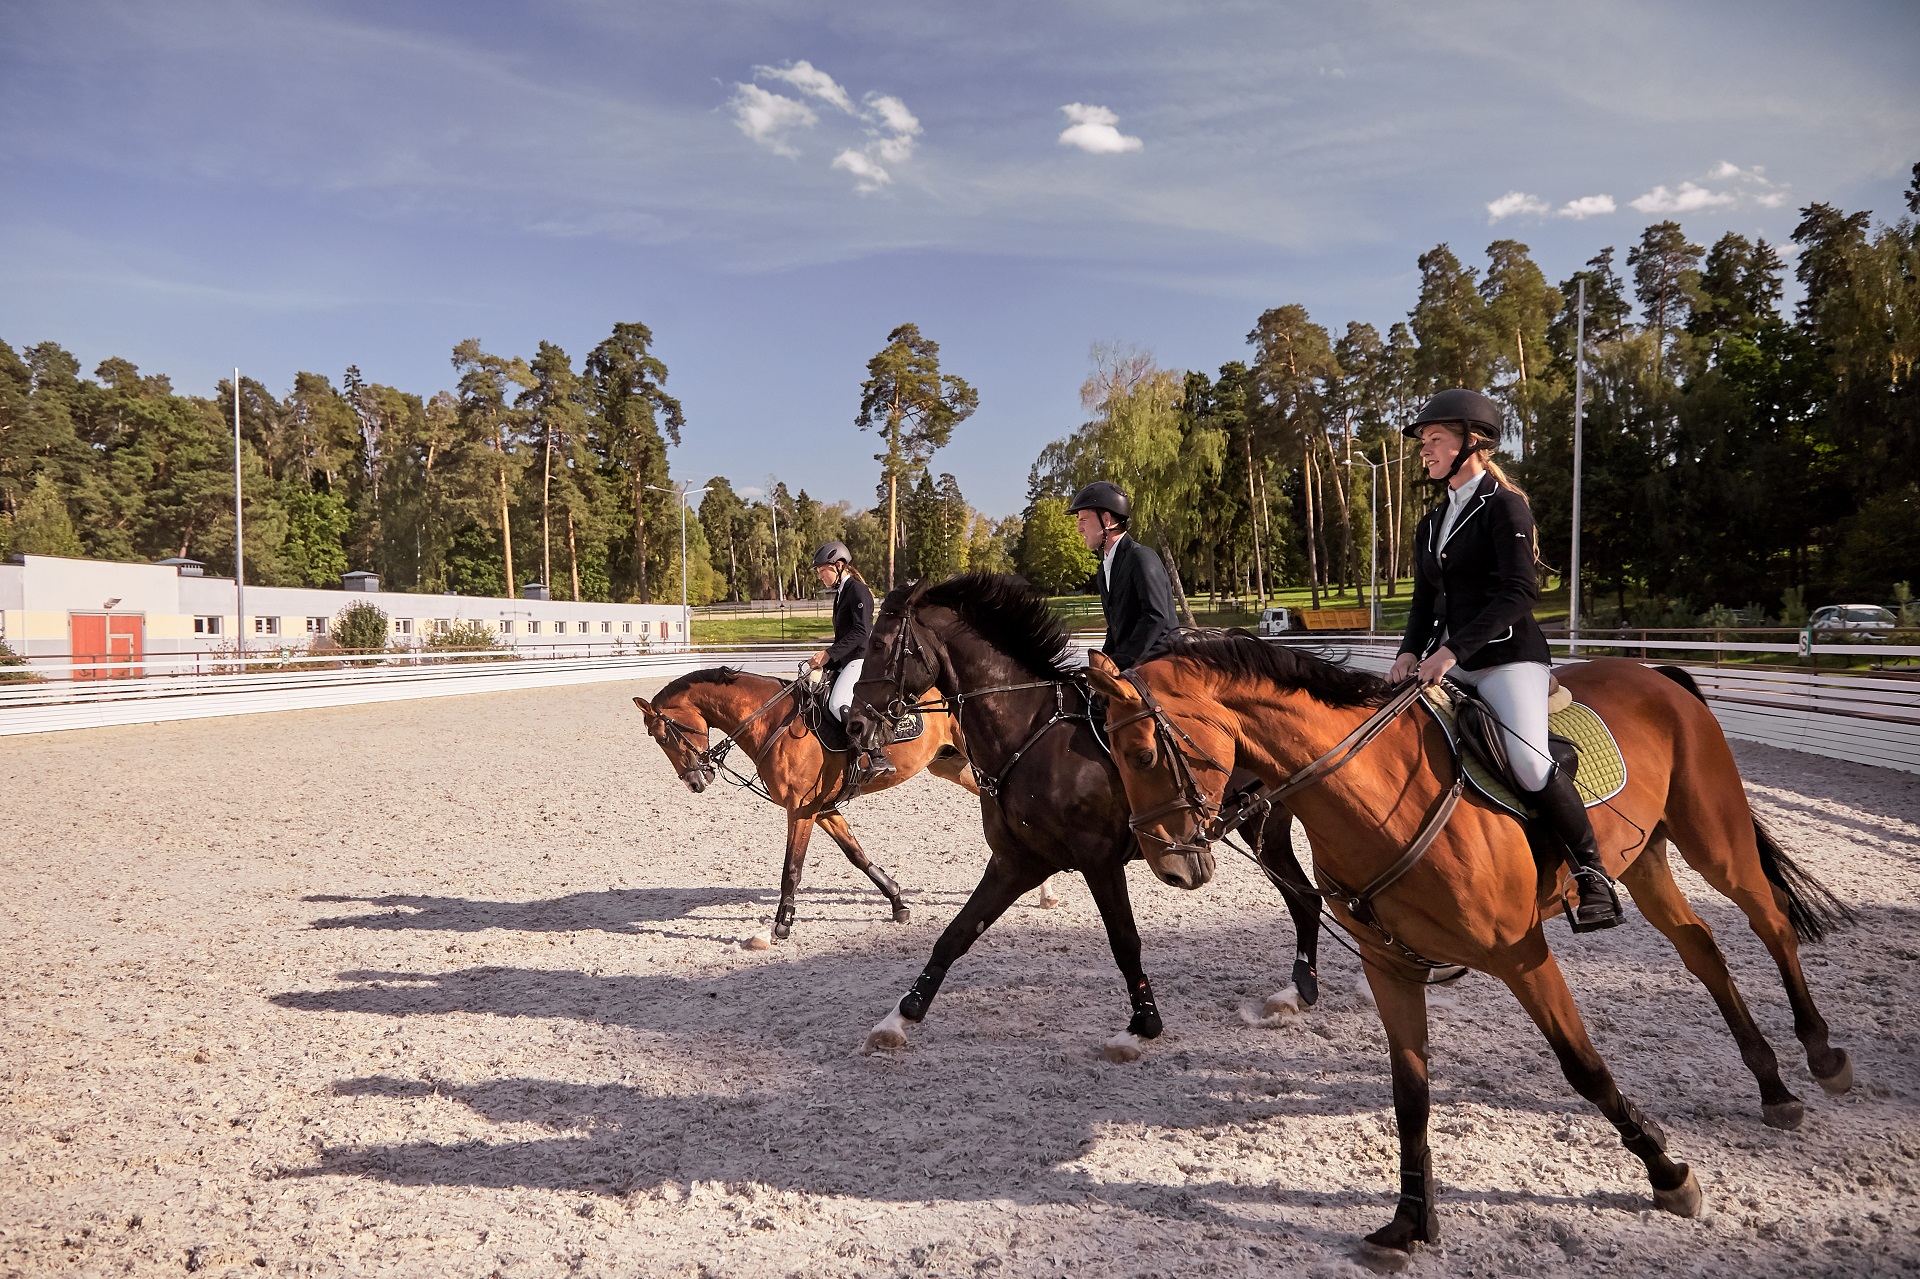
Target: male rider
pixel 1135 595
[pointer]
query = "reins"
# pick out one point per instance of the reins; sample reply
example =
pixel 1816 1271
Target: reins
pixel 715 756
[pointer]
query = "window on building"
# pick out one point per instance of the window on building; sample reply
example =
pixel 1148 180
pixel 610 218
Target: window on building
pixel 266 626
pixel 206 626
pixel 316 626
pixel 626 628
pixel 533 627
pixel 506 626
pixel 582 627
pixel 441 625
pixel 606 628
pixel 403 626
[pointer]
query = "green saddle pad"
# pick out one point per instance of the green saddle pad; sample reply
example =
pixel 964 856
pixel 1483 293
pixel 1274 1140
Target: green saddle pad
pixel 1603 769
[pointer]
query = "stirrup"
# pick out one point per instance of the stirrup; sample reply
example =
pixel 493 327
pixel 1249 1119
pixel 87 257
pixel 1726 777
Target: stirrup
pixel 1572 910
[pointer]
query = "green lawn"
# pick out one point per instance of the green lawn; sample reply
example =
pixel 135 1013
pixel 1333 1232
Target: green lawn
pixel 761 628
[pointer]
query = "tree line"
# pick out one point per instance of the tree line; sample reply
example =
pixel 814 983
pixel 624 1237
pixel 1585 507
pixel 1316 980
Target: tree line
pixel 1735 458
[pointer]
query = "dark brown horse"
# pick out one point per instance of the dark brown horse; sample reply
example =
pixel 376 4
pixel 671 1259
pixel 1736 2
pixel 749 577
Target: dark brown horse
pixel 1051 800
pixel 1476 896
pixel 796 772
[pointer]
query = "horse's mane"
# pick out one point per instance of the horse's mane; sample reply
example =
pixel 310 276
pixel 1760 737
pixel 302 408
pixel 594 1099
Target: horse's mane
pixel 711 675
pixel 1004 611
pixel 1241 655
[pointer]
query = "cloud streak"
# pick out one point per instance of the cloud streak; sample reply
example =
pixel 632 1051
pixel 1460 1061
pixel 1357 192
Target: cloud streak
pixel 772 120
pixel 1095 130
pixel 1689 198
pixel 1515 204
pixel 1587 206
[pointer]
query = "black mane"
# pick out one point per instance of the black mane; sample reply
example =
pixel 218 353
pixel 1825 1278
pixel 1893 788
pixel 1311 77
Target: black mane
pixel 711 675
pixel 1004 611
pixel 1238 654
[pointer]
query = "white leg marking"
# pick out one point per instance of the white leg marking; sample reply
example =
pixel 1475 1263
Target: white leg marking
pixel 1046 898
pixel 762 940
pixel 1123 1047
pixel 888 1034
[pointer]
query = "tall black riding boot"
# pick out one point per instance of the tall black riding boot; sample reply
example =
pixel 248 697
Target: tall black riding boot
pixel 1559 804
pixel 876 765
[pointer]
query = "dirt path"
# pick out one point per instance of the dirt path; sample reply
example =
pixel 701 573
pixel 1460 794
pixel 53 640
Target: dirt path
pixel 456 987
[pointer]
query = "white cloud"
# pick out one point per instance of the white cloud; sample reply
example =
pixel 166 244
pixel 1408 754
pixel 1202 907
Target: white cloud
pixel 1587 206
pixel 868 174
pixel 810 80
pixel 1771 200
pixel 893 114
pixel 767 118
pixel 1095 130
pixel 1514 203
pixel 1688 199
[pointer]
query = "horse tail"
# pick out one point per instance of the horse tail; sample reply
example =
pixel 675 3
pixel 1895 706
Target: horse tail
pixel 1812 908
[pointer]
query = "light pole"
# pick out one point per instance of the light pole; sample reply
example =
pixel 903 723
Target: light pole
pixel 1579 407
pixel 1373 527
pixel 683 491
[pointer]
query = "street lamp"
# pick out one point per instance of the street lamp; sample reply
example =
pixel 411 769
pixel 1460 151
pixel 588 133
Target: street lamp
pixel 683 491
pixel 1373 527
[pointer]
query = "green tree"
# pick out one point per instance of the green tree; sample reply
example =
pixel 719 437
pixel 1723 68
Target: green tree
pixel 558 419
pixel 1052 555
pixel 914 407
pixel 625 382
pixel 42 525
pixel 1294 372
pixel 1449 322
pixel 316 520
pixel 1665 278
pixel 485 383
pixel 1520 305
pixel 360 627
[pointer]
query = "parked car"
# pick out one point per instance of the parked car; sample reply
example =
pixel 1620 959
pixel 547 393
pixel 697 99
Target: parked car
pixel 1276 621
pixel 1865 621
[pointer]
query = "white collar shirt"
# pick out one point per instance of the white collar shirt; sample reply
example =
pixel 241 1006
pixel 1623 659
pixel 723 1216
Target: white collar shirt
pixel 1106 565
pixel 1456 503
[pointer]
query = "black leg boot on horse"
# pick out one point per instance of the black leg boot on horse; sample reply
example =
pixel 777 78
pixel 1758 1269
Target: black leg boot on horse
pixel 1565 813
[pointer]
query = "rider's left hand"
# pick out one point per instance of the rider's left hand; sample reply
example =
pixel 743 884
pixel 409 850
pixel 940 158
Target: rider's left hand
pixel 818 660
pixel 1436 666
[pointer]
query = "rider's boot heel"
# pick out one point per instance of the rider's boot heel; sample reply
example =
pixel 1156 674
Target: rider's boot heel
pixel 1560 806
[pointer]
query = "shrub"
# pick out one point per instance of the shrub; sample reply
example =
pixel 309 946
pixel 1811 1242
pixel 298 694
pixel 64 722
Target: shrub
pixel 14 668
pixel 470 638
pixel 360 627
pixel 1793 606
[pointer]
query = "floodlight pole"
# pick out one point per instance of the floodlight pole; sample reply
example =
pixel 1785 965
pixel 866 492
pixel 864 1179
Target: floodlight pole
pixel 682 491
pixel 239 541
pixel 1373 527
pixel 1579 423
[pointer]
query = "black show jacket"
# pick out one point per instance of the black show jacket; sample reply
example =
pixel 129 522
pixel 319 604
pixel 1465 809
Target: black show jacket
pixel 1478 590
pixel 1138 603
pixel 852 622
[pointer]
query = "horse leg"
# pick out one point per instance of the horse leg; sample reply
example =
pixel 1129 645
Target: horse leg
pixel 1403 1012
pixel 1005 879
pixel 1531 974
pixel 1044 897
pixel 799 832
pixel 1741 879
pixel 1650 879
pixel 835 824
pixel 1108 884
pixel 1282 865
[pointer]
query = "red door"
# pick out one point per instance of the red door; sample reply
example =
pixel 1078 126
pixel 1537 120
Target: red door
pixel 89 643
pixel 103 637
pixel 126 637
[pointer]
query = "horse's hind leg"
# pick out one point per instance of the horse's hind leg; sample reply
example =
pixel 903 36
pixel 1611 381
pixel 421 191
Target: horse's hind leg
pixel 1403 1013
pixel 1108 884
pixel 836 827
pixel 1529 971
pixel 799 833
pixel 1044 897
pixel 1005 879
pixel 1650 880
pixel 1277 858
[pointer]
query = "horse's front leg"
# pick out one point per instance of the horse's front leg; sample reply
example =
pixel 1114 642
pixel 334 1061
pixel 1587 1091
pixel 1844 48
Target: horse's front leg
pixel 1108 884
pixel 841 833
pixel 1277 858
pixel 1403 1012
pixel 1005 879
pixel 1044 897
pixel 799 832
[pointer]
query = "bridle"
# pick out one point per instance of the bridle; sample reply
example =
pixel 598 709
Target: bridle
pixel 713 759
pixel 1216 820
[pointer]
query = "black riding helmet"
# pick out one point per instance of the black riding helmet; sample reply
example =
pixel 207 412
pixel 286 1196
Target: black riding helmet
pixel 832 553
pixel 1102 495
pixel 1475 414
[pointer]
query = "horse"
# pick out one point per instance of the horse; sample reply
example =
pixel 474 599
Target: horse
pixel 795 771
pixel 1050 799
pixel 1456 882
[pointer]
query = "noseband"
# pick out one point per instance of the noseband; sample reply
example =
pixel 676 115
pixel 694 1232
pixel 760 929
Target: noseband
pixel 1188 796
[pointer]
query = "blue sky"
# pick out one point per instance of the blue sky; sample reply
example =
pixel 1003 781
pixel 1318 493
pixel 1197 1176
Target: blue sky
pixel 771 187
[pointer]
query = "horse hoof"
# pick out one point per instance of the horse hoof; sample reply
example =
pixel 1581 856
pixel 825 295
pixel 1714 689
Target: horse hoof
pixel 782 931
pixel 1382 1259
pixel 1285 1003
pixel 1122 1048
pixel 759 941
pixel 1683 1200
pixel 1784 1115
pixel 1048 903
pixel 901 914
pixel 890 1034
pixel 1840 1080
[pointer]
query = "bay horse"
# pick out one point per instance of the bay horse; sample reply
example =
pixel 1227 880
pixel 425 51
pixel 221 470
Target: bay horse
pixel 795 771
pixel 1050 799
pixel 1455 881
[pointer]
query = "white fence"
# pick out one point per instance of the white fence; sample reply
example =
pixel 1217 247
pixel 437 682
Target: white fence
pixel 1865 719
pixel 280 685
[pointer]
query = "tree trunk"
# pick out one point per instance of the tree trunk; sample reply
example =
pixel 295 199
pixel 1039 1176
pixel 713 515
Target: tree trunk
pixel 1349 559
pixel 506 525
pixel 1526 428
pixel 640 524
pixel 573 558
pixel 1179 590
pixel 1259 568
pixel 546 508
pixel 1306 488
pixel 893 522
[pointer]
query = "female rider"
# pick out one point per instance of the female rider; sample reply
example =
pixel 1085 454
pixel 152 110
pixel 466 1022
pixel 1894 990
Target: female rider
pixel 1474 589
pixel 852 626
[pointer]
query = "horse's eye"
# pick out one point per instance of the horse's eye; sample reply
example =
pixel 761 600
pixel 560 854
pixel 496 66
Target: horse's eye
pixel 1143 758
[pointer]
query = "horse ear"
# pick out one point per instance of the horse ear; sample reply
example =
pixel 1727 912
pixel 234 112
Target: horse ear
pixel 646 708
pixel 1106 677
pixel 918 588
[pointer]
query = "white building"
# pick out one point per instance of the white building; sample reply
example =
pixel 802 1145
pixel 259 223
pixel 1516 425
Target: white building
pixel 167 617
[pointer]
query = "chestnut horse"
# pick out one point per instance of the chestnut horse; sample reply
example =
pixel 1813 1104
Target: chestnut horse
pixel 796 772
pixel 1476 897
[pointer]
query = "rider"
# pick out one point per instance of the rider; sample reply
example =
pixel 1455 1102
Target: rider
pixel 1474 588
pixel 1134 593
pixel 842 660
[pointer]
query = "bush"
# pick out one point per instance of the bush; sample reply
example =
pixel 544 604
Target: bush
pixel 360 627
pixel 1793 606
pixel 14 668
pixel 469 637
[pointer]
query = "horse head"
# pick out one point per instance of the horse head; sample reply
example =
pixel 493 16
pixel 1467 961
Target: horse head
pixel 681 731
pixel 901 667
pixel 1157 762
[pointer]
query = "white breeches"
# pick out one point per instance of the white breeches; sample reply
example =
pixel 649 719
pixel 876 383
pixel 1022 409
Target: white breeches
pixel 1517 692
pixel 842 695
